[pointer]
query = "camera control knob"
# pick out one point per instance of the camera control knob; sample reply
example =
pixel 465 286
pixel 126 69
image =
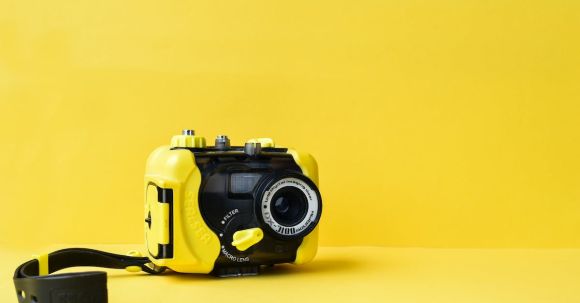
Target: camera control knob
pixel 264 142
pixel 188 139
pixel 188 132
pixel 244 239
pixel 222 142
pixel 252 149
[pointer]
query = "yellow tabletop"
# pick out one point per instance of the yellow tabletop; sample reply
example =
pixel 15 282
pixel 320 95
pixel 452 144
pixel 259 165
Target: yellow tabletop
pixel 358 274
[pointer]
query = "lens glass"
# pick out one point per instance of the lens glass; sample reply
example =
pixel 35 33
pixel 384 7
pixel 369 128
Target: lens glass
pixel 289 206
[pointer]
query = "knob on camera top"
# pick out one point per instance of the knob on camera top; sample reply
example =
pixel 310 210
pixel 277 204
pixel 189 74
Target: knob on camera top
pixel 188 139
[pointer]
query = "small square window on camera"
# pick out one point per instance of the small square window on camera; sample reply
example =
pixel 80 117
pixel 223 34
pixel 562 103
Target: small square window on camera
pixel 243 183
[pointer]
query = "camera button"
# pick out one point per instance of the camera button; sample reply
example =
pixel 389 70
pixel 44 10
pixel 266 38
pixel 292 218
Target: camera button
pixel 264 142
pixel 188 139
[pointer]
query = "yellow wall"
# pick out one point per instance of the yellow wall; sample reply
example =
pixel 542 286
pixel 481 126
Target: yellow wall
pixel 435 123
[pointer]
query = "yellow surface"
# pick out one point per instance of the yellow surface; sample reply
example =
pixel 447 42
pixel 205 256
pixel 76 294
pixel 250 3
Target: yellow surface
pixel 362 274
pixel 435 123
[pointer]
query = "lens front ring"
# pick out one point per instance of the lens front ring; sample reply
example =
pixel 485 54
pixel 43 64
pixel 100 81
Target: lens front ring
pixel 290 206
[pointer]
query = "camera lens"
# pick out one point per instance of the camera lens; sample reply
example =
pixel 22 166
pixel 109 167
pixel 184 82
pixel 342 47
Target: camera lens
pixel 289 206
pixel 282 205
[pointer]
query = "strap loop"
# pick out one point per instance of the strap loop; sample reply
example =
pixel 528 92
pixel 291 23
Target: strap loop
pixel 42 264
pixel 33 284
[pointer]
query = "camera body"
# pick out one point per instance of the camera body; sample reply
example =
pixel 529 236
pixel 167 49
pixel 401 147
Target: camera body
pixel 230 210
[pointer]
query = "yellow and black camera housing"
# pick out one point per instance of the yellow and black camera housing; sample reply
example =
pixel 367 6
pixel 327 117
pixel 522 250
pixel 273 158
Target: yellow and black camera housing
pixel 230 210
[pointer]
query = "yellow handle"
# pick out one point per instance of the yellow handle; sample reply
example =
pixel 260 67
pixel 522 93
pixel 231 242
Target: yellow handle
pixel 244 239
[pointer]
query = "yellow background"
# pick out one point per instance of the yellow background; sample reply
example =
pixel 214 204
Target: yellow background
pixel 435 123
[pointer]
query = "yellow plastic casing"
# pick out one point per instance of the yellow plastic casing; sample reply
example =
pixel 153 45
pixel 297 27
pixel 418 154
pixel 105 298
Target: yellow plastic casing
pixel 195 246
pixel 307 250
pixel 187 141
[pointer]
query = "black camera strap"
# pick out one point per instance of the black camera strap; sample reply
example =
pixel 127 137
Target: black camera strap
pixel 34 284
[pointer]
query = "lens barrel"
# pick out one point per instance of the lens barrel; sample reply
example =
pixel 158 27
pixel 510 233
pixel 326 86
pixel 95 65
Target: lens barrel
pixel 290 205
